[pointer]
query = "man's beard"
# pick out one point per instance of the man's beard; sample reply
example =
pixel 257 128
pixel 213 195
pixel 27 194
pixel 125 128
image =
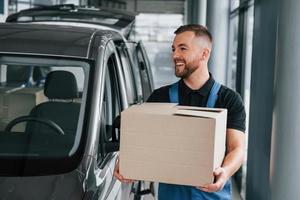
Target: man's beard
pixel 186 72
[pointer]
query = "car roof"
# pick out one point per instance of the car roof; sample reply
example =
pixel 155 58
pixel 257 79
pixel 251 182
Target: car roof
pixel 119 20
pixel 45 39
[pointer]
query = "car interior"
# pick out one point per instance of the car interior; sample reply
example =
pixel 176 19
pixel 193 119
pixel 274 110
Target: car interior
pixel 39 117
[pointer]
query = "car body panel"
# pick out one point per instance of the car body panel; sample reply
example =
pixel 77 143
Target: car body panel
pixel 69 42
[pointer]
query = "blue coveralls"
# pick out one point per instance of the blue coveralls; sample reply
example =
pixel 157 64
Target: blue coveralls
pixel 182 192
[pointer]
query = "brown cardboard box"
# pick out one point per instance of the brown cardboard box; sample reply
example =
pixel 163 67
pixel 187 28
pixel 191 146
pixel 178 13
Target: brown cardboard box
pixel 16 102
pixel 163 142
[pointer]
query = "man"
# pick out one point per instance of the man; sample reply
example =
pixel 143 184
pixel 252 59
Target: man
pixel 191 50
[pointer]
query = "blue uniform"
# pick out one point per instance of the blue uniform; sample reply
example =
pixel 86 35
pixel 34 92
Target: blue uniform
pixel 182 192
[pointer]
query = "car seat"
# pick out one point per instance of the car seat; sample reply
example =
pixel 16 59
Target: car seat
pixel 61 90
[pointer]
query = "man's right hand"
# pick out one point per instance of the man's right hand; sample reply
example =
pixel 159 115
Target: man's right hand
pixel 119 176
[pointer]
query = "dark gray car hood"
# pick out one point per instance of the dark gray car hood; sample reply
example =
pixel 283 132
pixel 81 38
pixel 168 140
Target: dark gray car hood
pixel 56 187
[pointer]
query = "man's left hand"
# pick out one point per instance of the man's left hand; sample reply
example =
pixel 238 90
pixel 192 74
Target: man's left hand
pixel 221 177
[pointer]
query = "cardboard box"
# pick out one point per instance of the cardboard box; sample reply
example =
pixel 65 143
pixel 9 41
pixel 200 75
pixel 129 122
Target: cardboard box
pixel 16 102
pixel 162 142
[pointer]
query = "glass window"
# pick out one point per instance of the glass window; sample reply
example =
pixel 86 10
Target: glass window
pixel 130 84
pixel 234 4
pixel 232 54
pixel 111 107
pixel 144 74
pixel 42 106
pixel 1 7
pixel 137 76
pixel 239 76
pixel 248 63
pixel 18 5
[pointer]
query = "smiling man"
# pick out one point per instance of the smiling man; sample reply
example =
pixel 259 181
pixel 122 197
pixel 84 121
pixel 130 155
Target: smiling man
pixel 191 48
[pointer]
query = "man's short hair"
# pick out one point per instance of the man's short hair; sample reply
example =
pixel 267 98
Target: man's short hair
pixel 199 30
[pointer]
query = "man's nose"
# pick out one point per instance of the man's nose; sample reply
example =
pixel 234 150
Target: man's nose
pixel 175 54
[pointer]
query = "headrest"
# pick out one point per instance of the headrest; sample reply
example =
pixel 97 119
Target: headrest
pixel 61 85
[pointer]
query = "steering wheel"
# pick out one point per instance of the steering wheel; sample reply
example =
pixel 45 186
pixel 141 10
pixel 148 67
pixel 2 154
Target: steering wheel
pixel 47 122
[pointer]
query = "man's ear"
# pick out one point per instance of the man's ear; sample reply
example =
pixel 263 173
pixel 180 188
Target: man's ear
pixel 205 54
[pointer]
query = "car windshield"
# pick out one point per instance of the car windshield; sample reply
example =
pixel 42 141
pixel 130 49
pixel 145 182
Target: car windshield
pixel 42 106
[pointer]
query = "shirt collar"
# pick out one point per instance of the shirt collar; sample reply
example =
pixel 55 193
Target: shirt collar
pixel 203 91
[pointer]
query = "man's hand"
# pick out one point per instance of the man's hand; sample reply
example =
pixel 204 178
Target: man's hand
pixel 235 149
pixel 119 176
pixel 221 177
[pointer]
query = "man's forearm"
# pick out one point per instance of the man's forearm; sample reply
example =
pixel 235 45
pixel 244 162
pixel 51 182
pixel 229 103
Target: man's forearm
pixel 235 151
pixel 233 161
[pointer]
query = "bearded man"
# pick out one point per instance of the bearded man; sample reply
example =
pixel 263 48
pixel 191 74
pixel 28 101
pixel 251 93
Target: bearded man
pixel 191 49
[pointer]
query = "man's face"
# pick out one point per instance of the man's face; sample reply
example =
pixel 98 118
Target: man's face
pixel 186 53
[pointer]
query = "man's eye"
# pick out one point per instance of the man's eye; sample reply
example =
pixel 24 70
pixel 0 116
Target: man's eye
pixel 183 49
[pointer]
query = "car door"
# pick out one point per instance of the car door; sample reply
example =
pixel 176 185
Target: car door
pixel 141 69
pixel 113 101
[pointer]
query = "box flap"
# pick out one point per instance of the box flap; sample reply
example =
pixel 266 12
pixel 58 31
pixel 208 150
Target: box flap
pixel 218 110
pixel 197 113
pixel 152 108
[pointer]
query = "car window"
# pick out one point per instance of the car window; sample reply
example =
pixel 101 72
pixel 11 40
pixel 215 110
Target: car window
pixel 145 73
pixel 42 106
pixel 130 84
pixel 111 106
